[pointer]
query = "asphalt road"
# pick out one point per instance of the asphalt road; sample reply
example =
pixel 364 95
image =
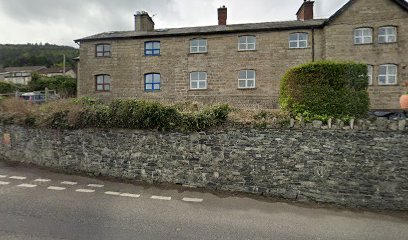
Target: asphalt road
pixel 38 204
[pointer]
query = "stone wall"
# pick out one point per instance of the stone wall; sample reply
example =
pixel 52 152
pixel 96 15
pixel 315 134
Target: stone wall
pixel 345 167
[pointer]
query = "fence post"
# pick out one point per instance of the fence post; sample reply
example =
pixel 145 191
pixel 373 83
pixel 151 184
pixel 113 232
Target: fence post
pixel 47 93
pixel 17 94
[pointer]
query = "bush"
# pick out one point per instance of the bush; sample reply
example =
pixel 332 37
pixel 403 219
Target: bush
pixel 130 114
pixel 6 87
pixel 326 89
pixel 65 86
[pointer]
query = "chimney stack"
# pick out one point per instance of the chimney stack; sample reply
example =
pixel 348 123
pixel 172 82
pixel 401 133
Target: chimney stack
pixel 222 15
pixel 305 11
pixel 143 22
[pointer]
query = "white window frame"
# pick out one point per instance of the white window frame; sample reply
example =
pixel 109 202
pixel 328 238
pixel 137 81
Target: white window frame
pixel 198 81
pixel 370 70
pixel 387 38
pixel 298 40
pixel 246 79
pixel 359 34
pixel 388 75
pixel 196 48
pixel 245 45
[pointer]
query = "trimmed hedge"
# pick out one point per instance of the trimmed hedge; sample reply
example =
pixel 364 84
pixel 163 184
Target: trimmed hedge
pixel 326 89
pixel 136 114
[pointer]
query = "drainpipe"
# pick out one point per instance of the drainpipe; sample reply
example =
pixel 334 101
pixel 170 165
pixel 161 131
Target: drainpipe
pixel 313 44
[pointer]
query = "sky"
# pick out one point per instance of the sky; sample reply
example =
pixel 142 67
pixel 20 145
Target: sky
pixel 62 21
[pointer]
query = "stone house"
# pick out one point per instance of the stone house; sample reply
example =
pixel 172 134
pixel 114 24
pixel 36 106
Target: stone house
pixel 242 64
pixel 57 71
pixel 19 75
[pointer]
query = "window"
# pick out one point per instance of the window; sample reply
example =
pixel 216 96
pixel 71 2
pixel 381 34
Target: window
pixel 387 35
pixel 370 74
pixel 152 48
pixel 103 83
pixel 198 45
pixel 152 82
pixel 103 50
pixel 298 40
pixel 246 43
pixel 363 36
pixel 246 79
pixel 388 74
pixel 198 80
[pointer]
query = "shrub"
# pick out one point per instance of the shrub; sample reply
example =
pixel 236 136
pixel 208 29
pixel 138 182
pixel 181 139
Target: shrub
pixel 130 114
pixel 325 89
pixel 65 86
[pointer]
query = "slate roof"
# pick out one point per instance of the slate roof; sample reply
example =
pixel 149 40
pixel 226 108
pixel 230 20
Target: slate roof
pixel 23 69
pixel 234 28
pixel 217 29
pixel 401 3
pixel 53 70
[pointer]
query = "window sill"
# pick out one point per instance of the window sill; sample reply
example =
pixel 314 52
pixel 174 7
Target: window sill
pixel 197 53
pixel 243 50
pixel 103 56
pixel 363 44
pixel 386 43
pixel 98 91
pixel 246 89
pixel 387 85
pixel 151 91
pixel 198 90
pixel 305 48
pixel 152 55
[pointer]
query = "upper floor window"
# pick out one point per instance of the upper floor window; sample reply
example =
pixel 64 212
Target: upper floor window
pixel 103 82
pixel 103 50
pixel 198 80
pixel 152 48
pixel 370 74
pixel 298 40
pixel 246 79
pixel 387 34
pixel 246 43
pixel 363 36
pixel 152 82
pixel 388 74
pixel 198 46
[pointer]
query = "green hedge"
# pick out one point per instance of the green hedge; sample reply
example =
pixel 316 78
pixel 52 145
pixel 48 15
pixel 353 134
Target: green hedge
pixel 138 114
pixel 326 89
pixel 6 87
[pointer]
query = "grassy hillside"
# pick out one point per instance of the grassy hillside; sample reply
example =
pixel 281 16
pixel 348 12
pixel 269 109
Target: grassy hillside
pixel 17 55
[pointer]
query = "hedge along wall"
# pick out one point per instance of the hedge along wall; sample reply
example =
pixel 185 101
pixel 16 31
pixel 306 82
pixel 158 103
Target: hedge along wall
pixel 326 89
pixel 350 168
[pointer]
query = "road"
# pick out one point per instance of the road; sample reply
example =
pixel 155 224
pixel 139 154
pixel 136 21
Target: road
pixel 38 204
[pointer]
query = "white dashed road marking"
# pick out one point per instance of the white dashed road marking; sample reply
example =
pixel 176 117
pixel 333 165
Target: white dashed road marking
pixel 112 193
pixel 17 177
pixel 96 185
pixel 3 176
pixel 69 183
pixel 161 198
pixel 197 200
pixel 42 180
pixel 85 190
pixel 56 188
pixel 4 183
pixel 27 185
pixel 129 195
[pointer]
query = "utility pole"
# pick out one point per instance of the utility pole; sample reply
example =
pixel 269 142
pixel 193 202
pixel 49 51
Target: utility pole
pixel 63 66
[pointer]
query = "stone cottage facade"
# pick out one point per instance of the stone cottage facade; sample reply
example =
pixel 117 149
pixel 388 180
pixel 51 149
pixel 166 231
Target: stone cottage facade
pixel 242 64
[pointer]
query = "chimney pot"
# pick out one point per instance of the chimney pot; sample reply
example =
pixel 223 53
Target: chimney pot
pixel 306 11
pixel 222 15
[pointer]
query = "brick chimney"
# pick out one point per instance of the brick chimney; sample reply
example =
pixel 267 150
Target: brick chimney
pixel 222 15
pixel 143 22
pixel 305 11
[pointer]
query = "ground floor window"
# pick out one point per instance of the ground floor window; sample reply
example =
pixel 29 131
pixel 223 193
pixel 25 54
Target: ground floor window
pixel 246 79
pixel 198 80
pixel 103 82
pixel 152 82
pixel 388 74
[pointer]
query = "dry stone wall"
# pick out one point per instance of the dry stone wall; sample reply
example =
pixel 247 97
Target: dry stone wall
pixel 347 167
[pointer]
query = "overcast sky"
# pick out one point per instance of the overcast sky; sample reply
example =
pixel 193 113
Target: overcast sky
pixel 62 21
